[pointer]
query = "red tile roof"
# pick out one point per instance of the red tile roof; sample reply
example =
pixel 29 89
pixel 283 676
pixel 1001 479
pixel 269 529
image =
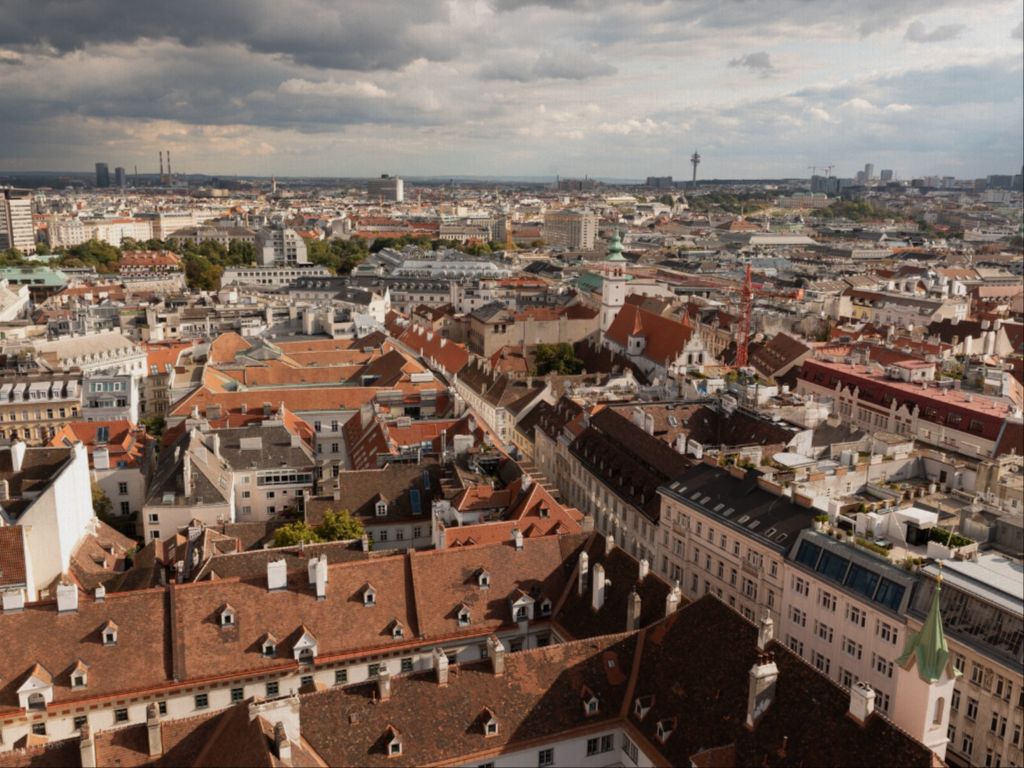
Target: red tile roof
pixel 665 337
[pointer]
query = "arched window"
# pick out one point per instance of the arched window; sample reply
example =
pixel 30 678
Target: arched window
pixel 940 708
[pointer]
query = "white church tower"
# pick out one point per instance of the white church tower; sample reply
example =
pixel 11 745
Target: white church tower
pixel 925 677
pixel 613 284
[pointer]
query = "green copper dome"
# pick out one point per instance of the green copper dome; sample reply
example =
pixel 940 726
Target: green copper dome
pixel 615 248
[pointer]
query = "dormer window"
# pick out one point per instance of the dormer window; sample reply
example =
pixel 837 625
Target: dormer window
pixel 545 607
pixel 305 647
pixel 269 646
pixel 369 596
pixel 490 723
pixel 227 616
pixel 665 728
pixel 397 630
pixel 521 614
pixel 393 741
pixel 109 633
pixel 381 508
pixel 642 705
pixel 80 675
pixel 483 578
pixel 463 616
pixel 591 704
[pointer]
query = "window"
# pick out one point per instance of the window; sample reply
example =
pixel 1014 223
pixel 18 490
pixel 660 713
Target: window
pixel 821 663
pixel 977 674
pixel 799 617
pixel 272 688
pixel 629 748
pixel 967 745
pixel 373 670
pixel 824 631
pixel 600 744
pixel 972 709
pixel 237 694
pixel 846 678
pixel 887 632
pixel 801 586
pixel 79 721
pixel 954 701
pixel 340 676
pixel 852 648
pixel 126 508
pixel 881 665
pixel 856 615
pixel 162 707
pixel 883 701
pixel 120 715
pixel 959 662
pixel 827 600
pixel 795 645
pixel 383 535
pixel 122 489
pixel 545 757
pixel 39 729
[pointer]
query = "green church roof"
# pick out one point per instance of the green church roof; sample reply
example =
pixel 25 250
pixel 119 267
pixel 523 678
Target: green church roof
pixel 928 647
pixel 615 248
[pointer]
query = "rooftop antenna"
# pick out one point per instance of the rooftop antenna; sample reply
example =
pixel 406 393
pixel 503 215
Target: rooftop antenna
pixel 694 161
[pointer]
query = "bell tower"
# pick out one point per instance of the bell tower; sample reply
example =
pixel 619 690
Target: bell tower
pixel 613 284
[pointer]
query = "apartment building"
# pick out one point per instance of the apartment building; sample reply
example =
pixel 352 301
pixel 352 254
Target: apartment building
pixel 726 531
pixel 16 227
pixel 387 188
pixel 574 230
pixel 280 246
pixel 109 395
pixel 34 406
pixel 277 276
pixel 883 399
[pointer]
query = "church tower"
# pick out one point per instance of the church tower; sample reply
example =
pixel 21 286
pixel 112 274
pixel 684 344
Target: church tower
pixel 925 677
pixel 613 284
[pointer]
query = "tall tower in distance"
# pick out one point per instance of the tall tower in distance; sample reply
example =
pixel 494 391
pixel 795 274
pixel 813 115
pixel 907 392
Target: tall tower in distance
pixel 694 161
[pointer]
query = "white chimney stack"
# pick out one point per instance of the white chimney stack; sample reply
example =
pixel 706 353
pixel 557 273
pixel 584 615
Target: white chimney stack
pixel 497 653
pixel 67 598
pixel 597 591
pixel 87 747
pixel 320 577
pixel 441 665
pixel 645 568
pixel 156 745
pixel 633 606
pixel 100 594
pixel 581 577
pixel 672 600
pixel 13 600
pixel 763 676
pixel 277 574
pixel 862 702
pixel 765 632
pixel 384 685
pixel 282 747
pixel 517 538
pixel 609 544
pixel 18 458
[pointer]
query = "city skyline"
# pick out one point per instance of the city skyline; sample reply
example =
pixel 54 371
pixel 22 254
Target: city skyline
pixel 619 90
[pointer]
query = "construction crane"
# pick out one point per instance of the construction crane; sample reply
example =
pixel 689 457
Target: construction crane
pixel 813 169
pixel 828 170
pixel 746 308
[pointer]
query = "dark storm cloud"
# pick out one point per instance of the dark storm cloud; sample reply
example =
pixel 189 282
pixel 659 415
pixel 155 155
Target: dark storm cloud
pixel 917 32
pixel 758 62
pixel 385 34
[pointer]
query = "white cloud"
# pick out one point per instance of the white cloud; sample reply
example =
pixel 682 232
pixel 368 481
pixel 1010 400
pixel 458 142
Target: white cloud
pixel 358 88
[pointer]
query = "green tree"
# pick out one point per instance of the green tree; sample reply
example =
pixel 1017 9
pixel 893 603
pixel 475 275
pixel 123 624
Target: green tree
pixel 200 273
pixel 154 425
pixel 340 256
pixel 340 526
pixel 102 506
pixel 292 534
pixel 43 249
pixel 556 358
pixel 667 200
pixel 12 257
pixel 101 256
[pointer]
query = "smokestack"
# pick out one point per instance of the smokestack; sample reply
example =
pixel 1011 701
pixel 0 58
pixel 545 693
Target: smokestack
pixel 161 163
pixel 168 163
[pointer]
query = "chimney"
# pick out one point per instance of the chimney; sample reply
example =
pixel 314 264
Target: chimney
pixel 672 600
pixel 581 577
pixel 497 653
pixel 441 665
pixel 633 605
pixel 17 456
pixel 156 745
pixel 277 574
pixel 282 747
pixel 87 747
pixel 609 544
pixel 67 598
pixel 862 702
pixel 244 408
pixel 384 685
pixel 5 492
pixel 13 600
pixel 598 586
pixel 215 444
pixel 320 577
pixel 765 632
pixel 645 568
pixel 100 594
pixel 186 474
pixel 101 458
pixel 517 538
pixel 763 676
pixel 365 541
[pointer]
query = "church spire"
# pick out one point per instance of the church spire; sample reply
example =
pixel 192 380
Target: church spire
pixel 615 248
pixel 928 647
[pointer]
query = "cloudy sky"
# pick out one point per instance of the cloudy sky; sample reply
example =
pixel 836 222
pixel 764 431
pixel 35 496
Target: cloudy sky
pixel 613 88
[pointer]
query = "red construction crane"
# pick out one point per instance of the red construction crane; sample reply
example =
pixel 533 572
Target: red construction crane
pixel 746 307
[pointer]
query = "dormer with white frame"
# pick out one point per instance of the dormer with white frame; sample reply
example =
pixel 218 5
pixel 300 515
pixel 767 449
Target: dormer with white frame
pixel 108 633
pixel 490 723
pixel 591 704
pixel 665 727
pixel 463 615
pixel 369 595
pixel 37 690
pixel 397 629
pixel 483 579
pixel 268 646
pixel 79 675
pixel 226 616
pixel 546 607
pixel 642 705
pixel 380 509
pixel 305 647
pixel 393 741
pixel 522 606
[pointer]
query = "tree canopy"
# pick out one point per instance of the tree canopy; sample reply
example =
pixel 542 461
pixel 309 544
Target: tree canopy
pixel 339 256
pixel 556 358
pixel 337 526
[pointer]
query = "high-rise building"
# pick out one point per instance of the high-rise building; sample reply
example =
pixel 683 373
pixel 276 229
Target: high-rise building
pixel 869 171
pixel 886 175
pixel 119 177
pixel 388 188
pixel 102 175
pixel 575 230
pixel 659 182
pixel 278 245
pixel 16 230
